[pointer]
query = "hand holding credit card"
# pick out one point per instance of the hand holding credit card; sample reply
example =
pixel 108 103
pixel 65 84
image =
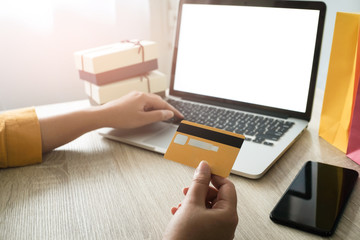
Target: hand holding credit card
pixel 194 142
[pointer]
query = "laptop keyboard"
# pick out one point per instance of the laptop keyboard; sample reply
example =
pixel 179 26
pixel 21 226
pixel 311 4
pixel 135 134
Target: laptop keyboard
pixel 257 129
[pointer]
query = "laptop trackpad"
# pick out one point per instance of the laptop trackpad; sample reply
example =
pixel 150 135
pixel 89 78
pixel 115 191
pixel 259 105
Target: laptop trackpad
pixel 162 138
pixel 153 136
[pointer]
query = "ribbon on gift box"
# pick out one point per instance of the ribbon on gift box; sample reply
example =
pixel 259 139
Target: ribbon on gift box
pixel 119 74
pixel 141 47
pixel 142 50
pixel 110 67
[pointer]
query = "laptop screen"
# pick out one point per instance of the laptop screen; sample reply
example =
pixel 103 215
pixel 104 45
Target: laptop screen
pixel 258 55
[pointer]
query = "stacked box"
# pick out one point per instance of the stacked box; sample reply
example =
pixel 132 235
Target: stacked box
pixel 112 71
pixel 154 82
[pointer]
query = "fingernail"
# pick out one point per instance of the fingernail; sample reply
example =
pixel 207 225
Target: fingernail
pixel 203 167
pixel 167 114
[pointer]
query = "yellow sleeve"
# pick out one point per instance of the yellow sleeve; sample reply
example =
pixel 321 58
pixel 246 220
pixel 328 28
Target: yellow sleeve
pixel 20 138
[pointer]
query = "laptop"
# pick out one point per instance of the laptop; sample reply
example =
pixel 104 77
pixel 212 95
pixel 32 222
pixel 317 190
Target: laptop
pixel 244 66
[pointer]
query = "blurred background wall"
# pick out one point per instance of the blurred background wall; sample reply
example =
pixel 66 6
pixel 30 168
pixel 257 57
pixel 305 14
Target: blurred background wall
pixel 39 37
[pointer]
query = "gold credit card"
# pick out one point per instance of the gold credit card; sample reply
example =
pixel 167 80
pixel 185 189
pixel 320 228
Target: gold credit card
pixel 195 142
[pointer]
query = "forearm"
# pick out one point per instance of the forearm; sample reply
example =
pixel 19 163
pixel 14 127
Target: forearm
pixel 133 110
pixel 61 129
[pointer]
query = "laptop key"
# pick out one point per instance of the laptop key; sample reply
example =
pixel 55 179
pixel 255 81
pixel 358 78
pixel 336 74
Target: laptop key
pixel 259 139
pixel 251 133
pixel 268 143
pixel 239 130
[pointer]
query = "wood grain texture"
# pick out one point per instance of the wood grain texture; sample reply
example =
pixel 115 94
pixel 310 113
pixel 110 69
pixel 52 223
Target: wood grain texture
pixel 94 188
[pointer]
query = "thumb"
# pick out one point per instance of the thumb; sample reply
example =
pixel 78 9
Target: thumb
pixel 200 184
pixel 158 115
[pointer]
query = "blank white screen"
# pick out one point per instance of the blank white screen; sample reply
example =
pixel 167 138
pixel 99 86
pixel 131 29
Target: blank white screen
pixel 257 55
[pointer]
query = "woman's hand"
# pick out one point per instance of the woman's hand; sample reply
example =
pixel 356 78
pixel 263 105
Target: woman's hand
pixel 206 212
pixel 136 109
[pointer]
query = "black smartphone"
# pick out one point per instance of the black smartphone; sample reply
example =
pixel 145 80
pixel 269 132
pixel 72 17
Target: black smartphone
pixel 316 198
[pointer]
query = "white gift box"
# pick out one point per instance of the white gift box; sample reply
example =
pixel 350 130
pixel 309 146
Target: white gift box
pixel 153 82
pixel 115 56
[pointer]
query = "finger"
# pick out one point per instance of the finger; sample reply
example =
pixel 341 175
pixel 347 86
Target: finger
pixel 209 205
pixel 173 210
pixel 185 190
pixel 199 187
pixel 226 192
pixel 156 115
pixel 155 102
pixel 211 194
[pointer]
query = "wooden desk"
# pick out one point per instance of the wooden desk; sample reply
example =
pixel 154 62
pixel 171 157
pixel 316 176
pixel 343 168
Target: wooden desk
pixel 94 188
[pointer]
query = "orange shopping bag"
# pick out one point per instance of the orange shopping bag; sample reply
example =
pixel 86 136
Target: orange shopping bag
pixel 353 150
pixel 342 82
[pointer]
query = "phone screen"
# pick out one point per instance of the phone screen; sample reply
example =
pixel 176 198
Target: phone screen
pixel 316 198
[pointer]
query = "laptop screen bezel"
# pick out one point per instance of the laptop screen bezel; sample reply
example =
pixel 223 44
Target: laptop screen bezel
pixel 247 106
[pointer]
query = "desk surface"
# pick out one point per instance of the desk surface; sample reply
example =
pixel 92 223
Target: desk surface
pixel 95 188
